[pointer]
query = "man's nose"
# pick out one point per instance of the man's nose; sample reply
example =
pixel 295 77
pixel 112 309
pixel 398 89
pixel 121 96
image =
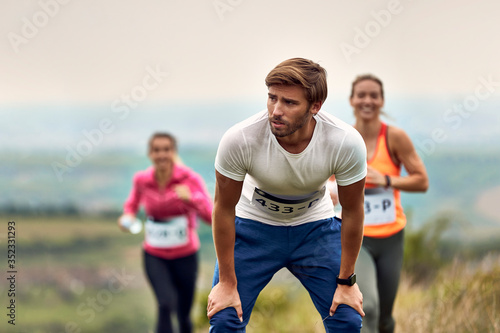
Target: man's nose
pixel 277 109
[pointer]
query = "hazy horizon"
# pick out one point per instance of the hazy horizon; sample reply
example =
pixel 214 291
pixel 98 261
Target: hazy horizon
pixel 71 51
pixel 53 127
pixel 195 68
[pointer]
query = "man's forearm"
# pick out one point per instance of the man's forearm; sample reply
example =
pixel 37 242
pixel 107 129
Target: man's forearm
pixel 224 238
pixel 351 239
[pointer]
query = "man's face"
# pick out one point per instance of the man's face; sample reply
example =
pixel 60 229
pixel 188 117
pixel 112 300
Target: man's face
pixel 288 109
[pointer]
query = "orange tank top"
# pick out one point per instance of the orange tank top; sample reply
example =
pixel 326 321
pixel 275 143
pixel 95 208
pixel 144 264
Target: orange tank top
pixel 384 214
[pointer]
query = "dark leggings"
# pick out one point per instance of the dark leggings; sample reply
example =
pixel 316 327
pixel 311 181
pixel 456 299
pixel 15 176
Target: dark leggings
pixel 378 269
pixel 173 282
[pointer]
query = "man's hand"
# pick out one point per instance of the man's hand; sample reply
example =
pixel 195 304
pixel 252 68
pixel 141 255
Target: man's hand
pixel 223 296
pixel 350 295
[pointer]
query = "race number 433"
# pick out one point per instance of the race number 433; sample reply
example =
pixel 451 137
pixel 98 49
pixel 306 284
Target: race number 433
pixel 281 207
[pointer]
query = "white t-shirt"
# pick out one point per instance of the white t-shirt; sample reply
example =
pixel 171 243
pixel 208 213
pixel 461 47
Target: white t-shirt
pixel 281 188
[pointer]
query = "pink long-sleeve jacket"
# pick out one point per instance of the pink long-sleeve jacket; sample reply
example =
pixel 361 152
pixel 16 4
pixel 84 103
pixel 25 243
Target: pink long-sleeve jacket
pixel 162 204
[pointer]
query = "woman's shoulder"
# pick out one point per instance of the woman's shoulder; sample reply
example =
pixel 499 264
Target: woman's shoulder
pixel 398 138
pixel 396 133
pixel 143 175
pixel 184 171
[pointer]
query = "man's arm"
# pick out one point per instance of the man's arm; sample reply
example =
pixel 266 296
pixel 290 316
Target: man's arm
pixel 225 294
pixel 351 199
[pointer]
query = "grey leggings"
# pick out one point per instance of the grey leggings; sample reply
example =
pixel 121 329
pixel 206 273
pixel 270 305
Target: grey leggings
pixel 378 269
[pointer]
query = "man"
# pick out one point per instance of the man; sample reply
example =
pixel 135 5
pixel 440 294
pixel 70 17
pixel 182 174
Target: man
pixel 271 209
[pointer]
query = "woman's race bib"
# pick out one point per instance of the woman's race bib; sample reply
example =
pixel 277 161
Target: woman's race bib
pixel 285 208
pixel 171 233
pixel 380 206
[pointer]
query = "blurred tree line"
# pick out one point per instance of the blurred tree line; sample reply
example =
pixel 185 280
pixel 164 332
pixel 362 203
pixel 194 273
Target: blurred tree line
pixel 67 209
pixel 447 237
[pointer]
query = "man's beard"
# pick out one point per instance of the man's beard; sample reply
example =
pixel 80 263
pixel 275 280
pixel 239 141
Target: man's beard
pixel 290 128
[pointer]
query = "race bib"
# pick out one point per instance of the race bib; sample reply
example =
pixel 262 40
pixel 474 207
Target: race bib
pixel 167 234
pixel 379 206
pixel 285 208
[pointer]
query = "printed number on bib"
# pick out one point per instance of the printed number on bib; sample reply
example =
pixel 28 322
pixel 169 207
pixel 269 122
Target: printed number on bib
pixel 286 208
pixel 379 206
pixel 167 234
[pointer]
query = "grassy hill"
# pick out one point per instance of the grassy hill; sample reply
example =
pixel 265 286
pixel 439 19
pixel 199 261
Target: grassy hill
pixel 81 274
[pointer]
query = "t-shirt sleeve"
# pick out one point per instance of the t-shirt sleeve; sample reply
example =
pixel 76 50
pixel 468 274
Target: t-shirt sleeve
pixel 351 160
pixel 232 155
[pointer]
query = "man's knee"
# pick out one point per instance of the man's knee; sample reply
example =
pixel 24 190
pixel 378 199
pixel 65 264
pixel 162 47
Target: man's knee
pixel 345 319
pixel 226 321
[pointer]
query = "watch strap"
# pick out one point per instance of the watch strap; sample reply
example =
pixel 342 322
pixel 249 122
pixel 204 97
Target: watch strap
pixel 351 280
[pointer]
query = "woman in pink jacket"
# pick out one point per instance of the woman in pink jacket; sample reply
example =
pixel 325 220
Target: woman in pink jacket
pixel 173 196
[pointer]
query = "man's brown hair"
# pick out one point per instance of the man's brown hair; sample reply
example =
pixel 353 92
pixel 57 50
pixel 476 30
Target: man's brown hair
pixel 301 72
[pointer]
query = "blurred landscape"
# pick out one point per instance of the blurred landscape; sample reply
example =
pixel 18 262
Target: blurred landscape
pixel 58 158
pixel 78 273
pixel 466 182
pixel 81 274
pixel 85 83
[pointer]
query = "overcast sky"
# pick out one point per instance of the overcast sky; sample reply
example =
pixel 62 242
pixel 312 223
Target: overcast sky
pixel 73 51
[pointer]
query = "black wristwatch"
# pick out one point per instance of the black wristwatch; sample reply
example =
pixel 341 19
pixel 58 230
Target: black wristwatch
pixel 347 282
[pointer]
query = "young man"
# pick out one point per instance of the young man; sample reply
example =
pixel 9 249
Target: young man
pixel 271 209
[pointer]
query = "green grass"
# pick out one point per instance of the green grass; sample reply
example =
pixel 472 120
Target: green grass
pixel 464 297
pixel 95 310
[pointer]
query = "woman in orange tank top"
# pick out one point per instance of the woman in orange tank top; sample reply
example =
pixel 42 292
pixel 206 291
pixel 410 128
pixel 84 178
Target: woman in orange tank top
pixel 388 148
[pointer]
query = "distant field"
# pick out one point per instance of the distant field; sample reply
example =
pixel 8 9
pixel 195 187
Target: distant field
pixel 84 275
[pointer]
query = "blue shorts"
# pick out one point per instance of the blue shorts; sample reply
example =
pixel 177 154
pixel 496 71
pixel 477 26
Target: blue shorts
pixel 311 252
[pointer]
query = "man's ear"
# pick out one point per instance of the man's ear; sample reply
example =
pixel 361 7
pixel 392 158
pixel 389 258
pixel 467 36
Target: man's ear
pixel 315 107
